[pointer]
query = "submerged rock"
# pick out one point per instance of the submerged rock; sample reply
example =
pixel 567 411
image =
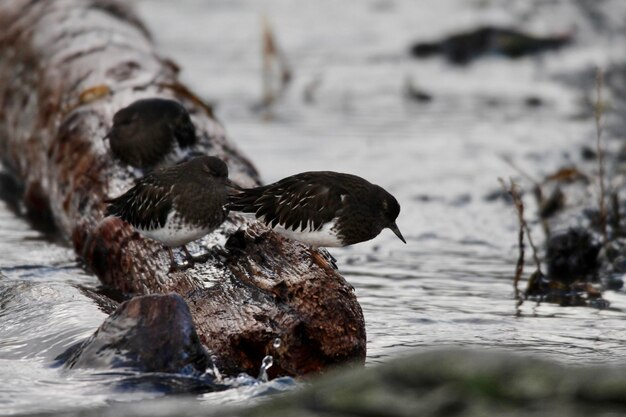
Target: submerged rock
pixel 572 256
pixel 572 279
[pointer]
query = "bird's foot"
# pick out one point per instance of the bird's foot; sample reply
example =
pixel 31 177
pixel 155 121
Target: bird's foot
pixel 201 258
pixel 192 260
pixel 175 267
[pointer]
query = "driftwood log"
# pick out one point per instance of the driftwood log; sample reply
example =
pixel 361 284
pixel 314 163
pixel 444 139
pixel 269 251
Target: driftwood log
pixel 66 66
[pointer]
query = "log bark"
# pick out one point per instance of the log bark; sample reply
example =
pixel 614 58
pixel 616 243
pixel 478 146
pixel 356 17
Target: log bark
pixel 66 66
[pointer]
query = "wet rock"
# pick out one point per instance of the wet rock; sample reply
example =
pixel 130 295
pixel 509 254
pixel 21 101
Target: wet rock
pixel 462 48
pixel 152 333
pixel 572 256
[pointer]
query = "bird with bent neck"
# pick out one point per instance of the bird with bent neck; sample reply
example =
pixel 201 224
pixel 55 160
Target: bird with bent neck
pixel 321 209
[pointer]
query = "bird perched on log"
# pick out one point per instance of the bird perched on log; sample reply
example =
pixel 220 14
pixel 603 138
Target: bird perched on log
pixel 177 205
pixel 322 209
pixel 152 133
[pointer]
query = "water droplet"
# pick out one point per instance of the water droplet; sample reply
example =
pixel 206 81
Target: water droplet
pixel 216 372
pixel 276 343
pixel 266 364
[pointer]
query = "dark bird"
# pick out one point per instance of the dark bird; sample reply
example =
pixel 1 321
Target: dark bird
pixel 177 205
pixel 462 48
pixel 322 209
pixel 151 133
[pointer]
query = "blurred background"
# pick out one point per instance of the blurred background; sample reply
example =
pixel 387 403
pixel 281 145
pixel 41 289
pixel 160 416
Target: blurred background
pixel 339 89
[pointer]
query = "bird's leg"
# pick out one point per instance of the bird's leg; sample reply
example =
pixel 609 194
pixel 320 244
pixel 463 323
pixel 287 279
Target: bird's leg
pixel 189 257
pixel 173 265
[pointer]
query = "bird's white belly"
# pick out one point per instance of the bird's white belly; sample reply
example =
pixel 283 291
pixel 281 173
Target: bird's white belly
pixel 175 232
pixel 325 237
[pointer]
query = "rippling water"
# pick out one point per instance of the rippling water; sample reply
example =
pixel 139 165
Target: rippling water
pixel 452 283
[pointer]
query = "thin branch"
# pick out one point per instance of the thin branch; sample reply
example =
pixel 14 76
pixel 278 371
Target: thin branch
pixel 519 266
pixel 516 167
pixel 599 149
pixel 537 191
pixel 513 190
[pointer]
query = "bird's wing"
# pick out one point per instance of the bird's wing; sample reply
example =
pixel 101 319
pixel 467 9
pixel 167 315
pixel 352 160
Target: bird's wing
pixel 295 203
pixel 145 206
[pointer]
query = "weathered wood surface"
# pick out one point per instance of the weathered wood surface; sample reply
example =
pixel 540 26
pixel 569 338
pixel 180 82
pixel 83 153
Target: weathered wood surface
pixel 66 66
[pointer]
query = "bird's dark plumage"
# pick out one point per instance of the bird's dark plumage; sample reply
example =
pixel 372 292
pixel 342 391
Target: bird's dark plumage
pixel 322 208
pixel 149 132
pixel 176 205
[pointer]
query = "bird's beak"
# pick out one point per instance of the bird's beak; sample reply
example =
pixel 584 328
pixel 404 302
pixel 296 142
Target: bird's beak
pixel 394 228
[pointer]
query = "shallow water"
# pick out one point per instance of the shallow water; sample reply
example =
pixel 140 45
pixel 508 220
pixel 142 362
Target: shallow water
pixel 452 283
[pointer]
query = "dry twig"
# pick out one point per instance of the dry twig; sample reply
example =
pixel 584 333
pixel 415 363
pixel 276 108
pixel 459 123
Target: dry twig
pixel 599 149
pixel 274 61
pixel 537 191
pixel 515 194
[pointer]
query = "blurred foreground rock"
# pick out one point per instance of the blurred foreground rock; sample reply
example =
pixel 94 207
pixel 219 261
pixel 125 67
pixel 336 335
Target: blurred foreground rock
pixel 437 383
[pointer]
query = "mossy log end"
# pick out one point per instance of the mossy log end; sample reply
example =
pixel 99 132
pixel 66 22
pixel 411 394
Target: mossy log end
pixel 66 67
